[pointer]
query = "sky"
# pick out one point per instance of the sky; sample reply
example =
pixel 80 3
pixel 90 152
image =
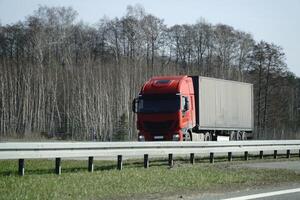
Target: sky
pixel 274 21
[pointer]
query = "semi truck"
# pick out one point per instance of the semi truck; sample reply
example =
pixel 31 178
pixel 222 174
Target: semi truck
pixel 194 108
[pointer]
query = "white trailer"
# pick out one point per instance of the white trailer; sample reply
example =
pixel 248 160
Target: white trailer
pixel 223 107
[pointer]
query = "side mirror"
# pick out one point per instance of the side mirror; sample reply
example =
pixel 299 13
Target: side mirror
pixel 134 105
pixel 187 104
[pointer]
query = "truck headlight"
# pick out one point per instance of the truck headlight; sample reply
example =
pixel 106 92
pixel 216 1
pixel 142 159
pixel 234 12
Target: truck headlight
pixel 141 138
pixel 176 137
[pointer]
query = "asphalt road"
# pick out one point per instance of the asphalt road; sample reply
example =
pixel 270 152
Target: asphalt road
pixel 291 191
pixel 288 191
pixel 284 192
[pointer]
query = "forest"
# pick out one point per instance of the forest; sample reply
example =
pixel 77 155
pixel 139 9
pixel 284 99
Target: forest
pixel 61 77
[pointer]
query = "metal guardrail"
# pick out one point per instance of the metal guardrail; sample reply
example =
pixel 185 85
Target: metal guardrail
pixel 58 150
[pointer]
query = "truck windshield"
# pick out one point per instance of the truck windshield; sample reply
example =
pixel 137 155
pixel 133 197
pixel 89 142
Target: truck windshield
pixel 159 104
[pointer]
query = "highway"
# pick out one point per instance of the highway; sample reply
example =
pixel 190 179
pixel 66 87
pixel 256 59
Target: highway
pixel 291 192
pixel 288 191
pixel 282 191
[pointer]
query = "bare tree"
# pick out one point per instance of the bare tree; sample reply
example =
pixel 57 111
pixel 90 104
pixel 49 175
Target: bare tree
pixel 69 79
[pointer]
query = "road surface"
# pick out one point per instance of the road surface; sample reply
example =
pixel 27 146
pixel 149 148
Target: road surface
pixel 287 191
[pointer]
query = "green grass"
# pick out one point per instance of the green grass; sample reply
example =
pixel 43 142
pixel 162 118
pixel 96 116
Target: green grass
pixel 106 182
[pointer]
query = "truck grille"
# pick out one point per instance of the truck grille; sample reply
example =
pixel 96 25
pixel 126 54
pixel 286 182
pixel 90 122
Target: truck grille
pixel 158 126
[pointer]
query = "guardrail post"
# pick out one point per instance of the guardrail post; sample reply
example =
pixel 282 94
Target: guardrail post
pixel 246 155
pixel 211 157
pixel 91 164
pixel 171 162
pixel 288 153
pixel 21 167
pixel 299 153
pixel 146 161
pixel 261 154
pixel 58 166
pixel 192 158
pixel 120 163
pixel 275 154
pixel 229 156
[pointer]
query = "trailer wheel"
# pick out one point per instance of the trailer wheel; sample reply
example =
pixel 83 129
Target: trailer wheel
pixel 244 135
pixel 207 137
pixel 232 135
pixel 238 136
pixel 188 136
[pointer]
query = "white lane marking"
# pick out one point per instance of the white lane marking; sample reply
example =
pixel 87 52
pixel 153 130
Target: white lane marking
pixel 267 194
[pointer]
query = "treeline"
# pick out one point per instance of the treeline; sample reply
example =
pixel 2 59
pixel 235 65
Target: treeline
pixel 60 76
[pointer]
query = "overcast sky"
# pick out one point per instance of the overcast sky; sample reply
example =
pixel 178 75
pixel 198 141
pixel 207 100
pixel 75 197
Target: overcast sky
pixel 276 21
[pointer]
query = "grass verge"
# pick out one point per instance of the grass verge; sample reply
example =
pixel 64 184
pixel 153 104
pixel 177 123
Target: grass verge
pixel 106 182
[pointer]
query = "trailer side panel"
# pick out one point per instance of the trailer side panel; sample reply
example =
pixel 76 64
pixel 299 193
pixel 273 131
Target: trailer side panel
pixel 224 105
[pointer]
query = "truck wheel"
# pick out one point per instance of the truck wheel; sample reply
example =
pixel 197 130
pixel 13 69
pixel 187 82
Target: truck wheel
pixel 207 136
pixel 188 136
pixel 244 135
pixel 238 136
pixel 232 135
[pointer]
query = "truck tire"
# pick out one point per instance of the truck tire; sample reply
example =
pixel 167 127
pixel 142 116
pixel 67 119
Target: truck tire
pixel 188 136
pixel 238 136
pixel 207 137
pixel 232 135
pixel 244 135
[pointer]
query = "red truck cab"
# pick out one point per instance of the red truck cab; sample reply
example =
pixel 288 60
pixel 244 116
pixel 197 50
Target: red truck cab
pixel 165 109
